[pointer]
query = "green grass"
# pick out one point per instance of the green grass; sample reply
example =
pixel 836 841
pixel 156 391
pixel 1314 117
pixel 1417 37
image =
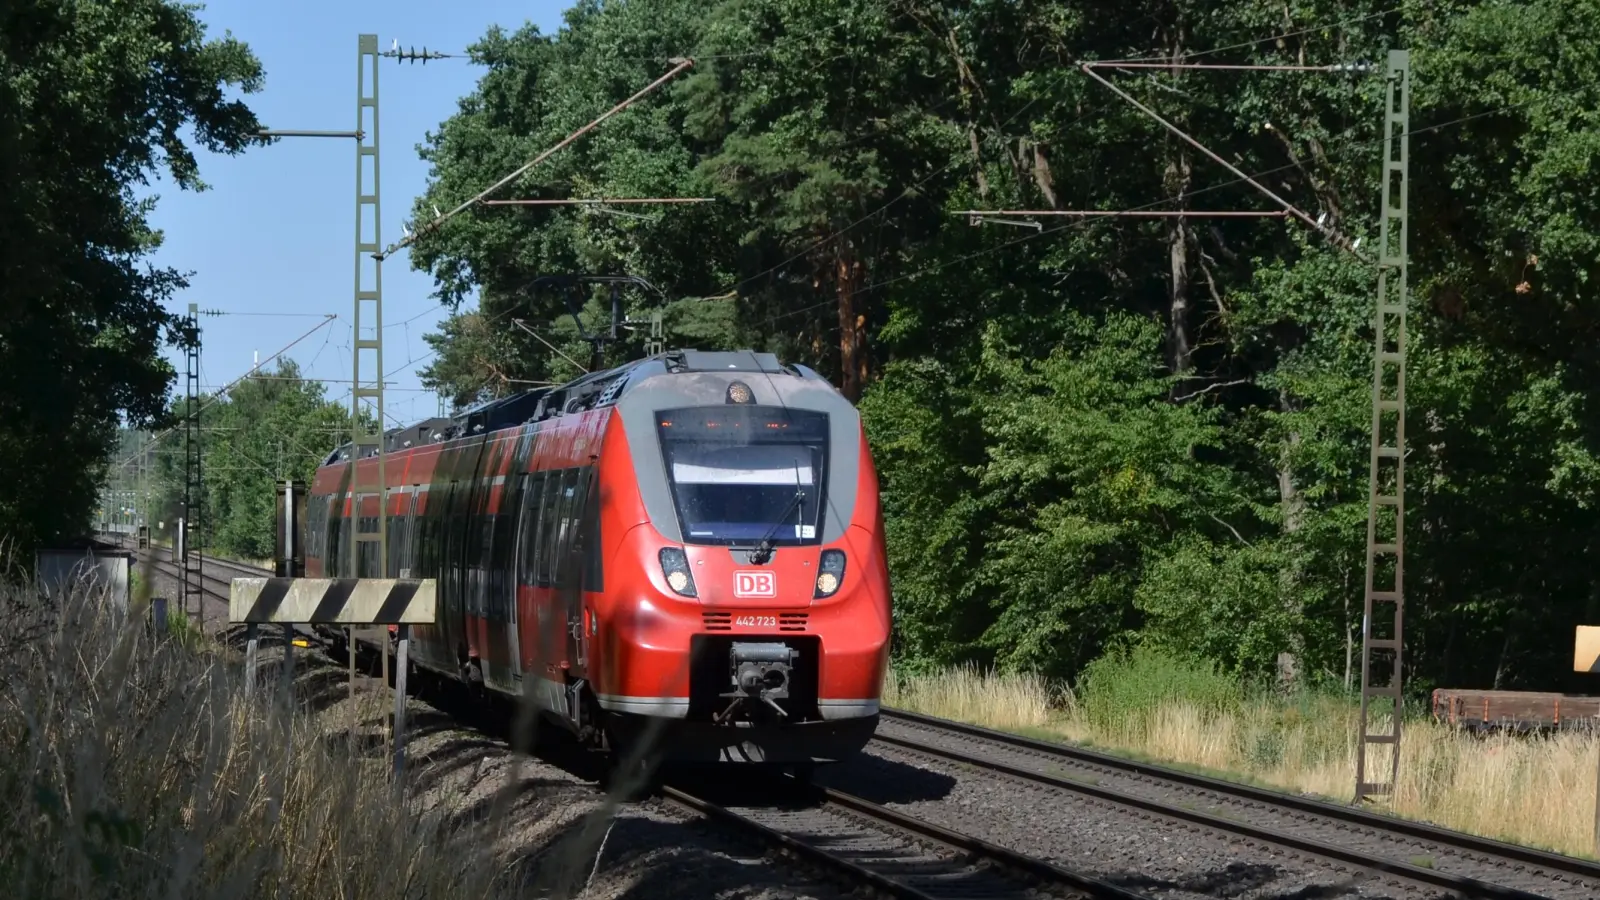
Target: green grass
pixel 1183 714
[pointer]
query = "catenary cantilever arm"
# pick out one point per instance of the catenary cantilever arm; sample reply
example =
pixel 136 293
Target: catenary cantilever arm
pixel 1338 239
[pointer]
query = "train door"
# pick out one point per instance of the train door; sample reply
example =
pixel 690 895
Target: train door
pixel 570 577
pixel 500 594
pixel 406 559
pixel 527 575
pixel 515 509
pixel 459 535
pixel 575 567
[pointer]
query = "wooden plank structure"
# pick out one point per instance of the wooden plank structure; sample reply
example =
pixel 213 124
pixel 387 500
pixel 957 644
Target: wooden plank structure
pixel 1515 710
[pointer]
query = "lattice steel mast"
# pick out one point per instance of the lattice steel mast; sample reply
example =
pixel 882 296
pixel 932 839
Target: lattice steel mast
pixel 1386 604
pixel 368 308
pixel 189 527
pixel 368 312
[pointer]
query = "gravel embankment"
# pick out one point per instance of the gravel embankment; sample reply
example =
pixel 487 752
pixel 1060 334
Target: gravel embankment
pixel 1153 855
pixel 658 850
pixel 1367 840
pixel 561 827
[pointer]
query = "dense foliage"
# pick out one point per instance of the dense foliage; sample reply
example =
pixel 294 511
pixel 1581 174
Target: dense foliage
pixel 95 99
pixel 1112 431
pixel 270 426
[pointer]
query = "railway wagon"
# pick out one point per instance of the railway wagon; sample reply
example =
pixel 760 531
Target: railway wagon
pixel 689 546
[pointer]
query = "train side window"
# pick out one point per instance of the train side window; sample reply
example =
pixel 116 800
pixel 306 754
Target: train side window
pixel 396 544
pixel 318 532
pixel 500 558
pixel 593 575
pixel 561 571
pixel 471 545
pixel 369 567
pixel 480 590
pixel 549 522
pixel 408 555
pixel 569 571
pixel 332 569
pixel 424 543
pixel 533 513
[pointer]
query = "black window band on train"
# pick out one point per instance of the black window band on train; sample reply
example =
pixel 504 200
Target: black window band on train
pixel 742 473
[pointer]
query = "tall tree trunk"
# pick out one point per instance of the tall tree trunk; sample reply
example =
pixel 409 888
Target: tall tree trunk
pixel 1291 575
pixel 1180 353
pixel 852 325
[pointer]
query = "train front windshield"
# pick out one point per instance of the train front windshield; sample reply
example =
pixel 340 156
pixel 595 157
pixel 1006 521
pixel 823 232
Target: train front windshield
pixel 741 474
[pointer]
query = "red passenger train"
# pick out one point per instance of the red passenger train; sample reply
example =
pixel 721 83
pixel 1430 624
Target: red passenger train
pixel 693 539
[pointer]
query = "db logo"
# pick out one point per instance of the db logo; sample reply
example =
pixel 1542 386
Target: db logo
pixel 754 584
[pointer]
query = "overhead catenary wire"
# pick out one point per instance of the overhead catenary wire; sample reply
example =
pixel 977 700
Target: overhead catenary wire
pixel 1344 23
pixel 524 326
pixel 600 201
pixel 682 64
pixel 230 385
pixel 1331 234
pixel 955 159
pixel 709 56
pixel 1083 221
pixel 1079 222
pixel 1144 213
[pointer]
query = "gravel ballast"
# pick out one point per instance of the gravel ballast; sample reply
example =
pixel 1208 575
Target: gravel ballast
pixel 1153 855
pixel 560 827
pixel 1367 840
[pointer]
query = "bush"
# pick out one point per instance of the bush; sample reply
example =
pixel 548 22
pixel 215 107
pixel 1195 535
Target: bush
pixel 1123 689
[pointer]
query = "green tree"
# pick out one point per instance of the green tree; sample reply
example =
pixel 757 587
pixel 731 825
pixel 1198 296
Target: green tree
pixel 94 100
pixel 1107 431
pixel 269 426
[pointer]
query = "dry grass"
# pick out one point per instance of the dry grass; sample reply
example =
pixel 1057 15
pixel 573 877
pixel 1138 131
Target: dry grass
pixel 138 767
pixel 1534 791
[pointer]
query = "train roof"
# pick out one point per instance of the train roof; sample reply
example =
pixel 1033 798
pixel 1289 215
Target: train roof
pixel 592 391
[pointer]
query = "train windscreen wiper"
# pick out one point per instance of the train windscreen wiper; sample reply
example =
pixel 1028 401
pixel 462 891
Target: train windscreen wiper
pixel 763 551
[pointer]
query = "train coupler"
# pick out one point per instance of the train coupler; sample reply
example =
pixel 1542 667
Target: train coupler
pixel 760 677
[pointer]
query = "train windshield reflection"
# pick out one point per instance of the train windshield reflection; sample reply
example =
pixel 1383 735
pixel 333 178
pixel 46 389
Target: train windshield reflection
pixel 735 473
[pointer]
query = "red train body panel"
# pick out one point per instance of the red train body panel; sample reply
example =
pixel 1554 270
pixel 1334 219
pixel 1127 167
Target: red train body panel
pixel 690 544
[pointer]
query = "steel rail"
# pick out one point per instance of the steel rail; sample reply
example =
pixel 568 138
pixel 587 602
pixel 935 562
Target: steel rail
pixel 1004 856
pixel 1037 872
pixel 1463 886
pixel 852 870
pixel 958 844
pixel 1090 887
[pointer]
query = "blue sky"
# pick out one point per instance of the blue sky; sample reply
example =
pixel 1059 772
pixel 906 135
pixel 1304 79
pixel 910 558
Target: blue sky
pixel 276 231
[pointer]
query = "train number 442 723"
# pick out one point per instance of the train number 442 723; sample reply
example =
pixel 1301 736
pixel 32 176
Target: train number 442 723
pixel 756 621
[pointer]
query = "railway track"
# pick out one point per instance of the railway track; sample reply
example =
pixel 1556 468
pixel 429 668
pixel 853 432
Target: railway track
pixel 896 854
pixel 910 858
pixel 865 843
pixel 1403 851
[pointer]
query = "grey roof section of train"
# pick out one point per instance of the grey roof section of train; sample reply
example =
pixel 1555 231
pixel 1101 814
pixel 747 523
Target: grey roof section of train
pixel 735 360
pixel 647 395
pixel 609 386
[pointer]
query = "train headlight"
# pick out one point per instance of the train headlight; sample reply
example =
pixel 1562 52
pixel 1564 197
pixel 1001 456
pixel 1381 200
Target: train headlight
pixel 675 566
pixel 830 573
